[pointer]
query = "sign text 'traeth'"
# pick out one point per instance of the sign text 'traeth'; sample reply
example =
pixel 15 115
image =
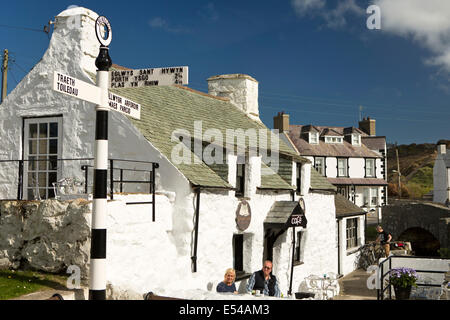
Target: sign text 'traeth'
pixel 149 77
pixel 90 93
pixel 76 88
pixel 124 105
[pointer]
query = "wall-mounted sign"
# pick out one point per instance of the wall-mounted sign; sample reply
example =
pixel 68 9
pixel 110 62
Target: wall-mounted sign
pixel 243 215
pixel 149 77
pixel 103 31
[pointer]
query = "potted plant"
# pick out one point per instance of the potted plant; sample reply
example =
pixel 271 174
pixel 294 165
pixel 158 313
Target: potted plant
pixel 403 279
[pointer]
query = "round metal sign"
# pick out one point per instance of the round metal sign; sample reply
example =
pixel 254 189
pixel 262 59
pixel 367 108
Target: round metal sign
pixel 103 31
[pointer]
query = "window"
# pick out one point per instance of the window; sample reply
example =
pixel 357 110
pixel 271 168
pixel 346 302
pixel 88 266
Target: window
pixel 240 180
pixel 313 138
pixel 370 197
pixel 238 252
pixel 356 139
pixel 333 139
pixel 319 164
pixel 352 233
pixel 42 147
pixel 298 257
pixel 370 168
pixel 342 167
pixel 299 177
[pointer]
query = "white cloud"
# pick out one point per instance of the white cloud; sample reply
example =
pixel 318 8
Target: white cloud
pixel 335 17
pixel 160 23
pixel 304 6
pixel 426 22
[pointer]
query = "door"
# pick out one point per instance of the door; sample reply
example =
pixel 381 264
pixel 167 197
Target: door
pixel 42 148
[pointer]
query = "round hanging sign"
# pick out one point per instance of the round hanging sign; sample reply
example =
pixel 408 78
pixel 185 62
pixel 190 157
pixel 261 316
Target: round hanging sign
pixel 243 215
pixel 103 31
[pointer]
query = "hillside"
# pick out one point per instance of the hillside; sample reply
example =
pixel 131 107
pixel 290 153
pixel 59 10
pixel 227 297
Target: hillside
pixel 416 167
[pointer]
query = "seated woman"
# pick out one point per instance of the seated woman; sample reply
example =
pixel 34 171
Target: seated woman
pixel 227 285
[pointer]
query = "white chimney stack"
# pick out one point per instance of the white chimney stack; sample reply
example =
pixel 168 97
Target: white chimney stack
pixel 441 148
pixel 241 89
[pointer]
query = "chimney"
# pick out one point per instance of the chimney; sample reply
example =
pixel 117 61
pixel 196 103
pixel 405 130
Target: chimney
pixel 281 122
pixel 441 147
pixel 368 126
pixel 241 89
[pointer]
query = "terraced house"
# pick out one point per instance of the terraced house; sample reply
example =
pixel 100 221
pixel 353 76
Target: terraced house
pixel 186 201
pixel 352 159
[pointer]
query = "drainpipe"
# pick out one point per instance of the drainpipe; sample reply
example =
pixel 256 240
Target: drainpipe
pixel 197 214
pixel 339 246
pixel 292 262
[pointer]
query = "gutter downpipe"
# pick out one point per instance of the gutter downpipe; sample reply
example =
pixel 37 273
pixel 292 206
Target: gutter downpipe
pixel 339 245
pixel 197 215
pixel 293 252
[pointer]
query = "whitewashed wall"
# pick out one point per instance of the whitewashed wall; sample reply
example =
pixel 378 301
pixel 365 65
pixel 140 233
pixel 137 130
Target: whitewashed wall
pixel 349 257
pixel 441 177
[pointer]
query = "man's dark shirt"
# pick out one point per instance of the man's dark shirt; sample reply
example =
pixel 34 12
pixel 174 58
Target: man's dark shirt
pixel 383 236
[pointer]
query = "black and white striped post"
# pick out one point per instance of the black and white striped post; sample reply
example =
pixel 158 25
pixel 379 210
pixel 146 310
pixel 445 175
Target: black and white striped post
pixel 97 270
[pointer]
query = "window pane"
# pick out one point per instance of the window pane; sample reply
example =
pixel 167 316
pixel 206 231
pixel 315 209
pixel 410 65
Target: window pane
pixel 51 178
pixel 53 146
pixel 42 146
pixel 42 179
pixel 43 130
pixel 32 163
pixel 53 164
pixel 31 179
pixel 42 164
pixel 33 130
pixel 53 129
pixel 32 147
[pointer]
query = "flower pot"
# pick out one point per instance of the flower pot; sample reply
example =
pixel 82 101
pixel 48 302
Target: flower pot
pixel 402 293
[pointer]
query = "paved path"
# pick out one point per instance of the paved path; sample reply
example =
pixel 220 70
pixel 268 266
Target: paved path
pixel 354 287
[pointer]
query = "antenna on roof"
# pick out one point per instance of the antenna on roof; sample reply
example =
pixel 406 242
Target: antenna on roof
pixel 360 112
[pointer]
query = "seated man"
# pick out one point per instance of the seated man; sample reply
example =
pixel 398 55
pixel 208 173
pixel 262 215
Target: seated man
pixel 264 281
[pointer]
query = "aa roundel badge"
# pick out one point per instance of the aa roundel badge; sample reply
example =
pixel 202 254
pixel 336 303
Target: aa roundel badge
pixel 103 31
pixel 243 215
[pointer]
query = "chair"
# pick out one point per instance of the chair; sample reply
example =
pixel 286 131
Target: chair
pixel 313 285
pixel 332 285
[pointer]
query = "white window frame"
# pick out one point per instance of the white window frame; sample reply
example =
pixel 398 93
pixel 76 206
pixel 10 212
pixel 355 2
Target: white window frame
pixel 356 137
pixel 322 171
pixel 333 139
pixel 345 168
pixel 40 169
pixel 372 173
pixel 370 197
pixel 314 138
pixel 352 233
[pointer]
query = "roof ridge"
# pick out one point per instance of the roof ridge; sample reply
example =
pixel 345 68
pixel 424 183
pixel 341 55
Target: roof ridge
pixel 201 93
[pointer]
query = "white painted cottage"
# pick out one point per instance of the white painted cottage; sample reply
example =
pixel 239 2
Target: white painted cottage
pixel 209 215
pixel 441 174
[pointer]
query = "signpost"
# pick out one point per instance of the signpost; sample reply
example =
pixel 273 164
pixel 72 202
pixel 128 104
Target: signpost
pixel 149 77
pixel 105 101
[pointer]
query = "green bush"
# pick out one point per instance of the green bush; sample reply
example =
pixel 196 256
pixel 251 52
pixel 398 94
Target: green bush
pixel 444 253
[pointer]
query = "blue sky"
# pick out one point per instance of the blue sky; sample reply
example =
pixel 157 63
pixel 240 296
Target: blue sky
pixel 314 59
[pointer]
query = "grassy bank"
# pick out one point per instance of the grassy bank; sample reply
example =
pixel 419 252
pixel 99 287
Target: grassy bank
pixel 14 284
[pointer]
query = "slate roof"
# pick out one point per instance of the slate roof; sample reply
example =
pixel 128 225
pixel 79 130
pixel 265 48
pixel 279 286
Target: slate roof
pixel 319 182
pixel 346 208
pixel 345 149
pixel 165 109
pixel 280 212
pixel 374 143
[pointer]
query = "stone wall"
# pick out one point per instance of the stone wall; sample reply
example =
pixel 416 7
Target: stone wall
pixel 45 235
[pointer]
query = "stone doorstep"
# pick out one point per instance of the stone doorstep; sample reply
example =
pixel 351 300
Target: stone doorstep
pixel 76 294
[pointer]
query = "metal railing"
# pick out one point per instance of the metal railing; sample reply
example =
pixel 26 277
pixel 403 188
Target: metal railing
pixel 115 167
pixel 381 291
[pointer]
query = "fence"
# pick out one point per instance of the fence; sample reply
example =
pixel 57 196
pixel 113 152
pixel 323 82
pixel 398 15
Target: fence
pixel 47 178
pixel 434 267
